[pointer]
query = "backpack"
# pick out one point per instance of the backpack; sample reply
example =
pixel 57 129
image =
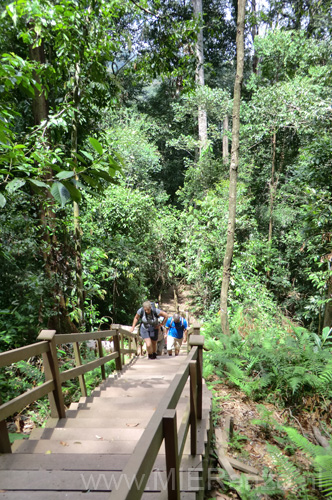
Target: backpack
pixel 154 314
pixel 181 321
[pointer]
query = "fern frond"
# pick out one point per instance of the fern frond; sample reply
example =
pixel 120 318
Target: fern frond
pixel 301 442
pixel 294 480
pixel 326 374
pixel 321 457
pixel 312 380
pixel 295 383
pixel 323 466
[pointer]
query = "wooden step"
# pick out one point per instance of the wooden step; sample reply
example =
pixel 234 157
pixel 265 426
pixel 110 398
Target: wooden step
pixel 132 390
pixel 87 480
pixel 99 436
pixel 110 401
pixel 96 462
pixel 77 495
pixel 109 413
pixel 99 422
pixel 47 446
pixel 104 434
pixel 93 446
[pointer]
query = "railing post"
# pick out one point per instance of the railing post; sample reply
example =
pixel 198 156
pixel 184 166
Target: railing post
pixel 136 344
pixel 117 348
pixel 172 457
pixel 51 370
pixel 122 347
pixel 129 343
pixel 198 340
pixel 193 407
pixel 78 361
pixel 194 330
pixel 101 355
pixel 5 446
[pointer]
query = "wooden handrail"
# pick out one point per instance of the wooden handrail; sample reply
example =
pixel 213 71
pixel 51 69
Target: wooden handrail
pixel 88 367
pixel 162 424
pixel 10 357
pixel 69 338
pixel 48 341
pixel 140 463
pixel 25 399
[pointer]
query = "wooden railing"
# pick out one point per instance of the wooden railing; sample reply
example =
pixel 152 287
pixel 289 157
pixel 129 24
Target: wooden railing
pixel 47 347
pixel 163 425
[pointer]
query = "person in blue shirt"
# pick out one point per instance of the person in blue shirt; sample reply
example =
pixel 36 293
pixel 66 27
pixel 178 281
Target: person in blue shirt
pixel 176 328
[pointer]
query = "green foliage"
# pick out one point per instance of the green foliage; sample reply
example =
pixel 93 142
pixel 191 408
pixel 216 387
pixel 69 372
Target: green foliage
pixel 130 252
pixel 237 442
pixel 270 488
pixel 273 359
pixel 321 459
pixel 23 376
pixel 294 481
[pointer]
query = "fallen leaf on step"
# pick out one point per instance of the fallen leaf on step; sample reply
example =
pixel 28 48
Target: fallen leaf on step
pixel 99 437
pixel 48 452
pixel 132 425
pixel 75 442
pixel 63 443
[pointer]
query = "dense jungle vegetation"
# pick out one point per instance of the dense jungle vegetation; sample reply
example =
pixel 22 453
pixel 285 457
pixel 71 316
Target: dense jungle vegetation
pixel 111 190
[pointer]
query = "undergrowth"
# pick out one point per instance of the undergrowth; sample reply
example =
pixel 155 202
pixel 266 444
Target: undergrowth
pixel 275 361
pixel 272 360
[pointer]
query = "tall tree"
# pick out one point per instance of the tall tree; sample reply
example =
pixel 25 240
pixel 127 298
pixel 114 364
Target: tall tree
pixel 233 166
pixel 199 75
pixel 60 320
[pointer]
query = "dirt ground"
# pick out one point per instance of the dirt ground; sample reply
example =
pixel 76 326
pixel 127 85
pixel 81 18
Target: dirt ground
pixel 249 443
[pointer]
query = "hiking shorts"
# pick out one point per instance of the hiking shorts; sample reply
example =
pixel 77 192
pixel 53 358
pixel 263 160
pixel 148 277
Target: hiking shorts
pixel 146 333
pixel 173 343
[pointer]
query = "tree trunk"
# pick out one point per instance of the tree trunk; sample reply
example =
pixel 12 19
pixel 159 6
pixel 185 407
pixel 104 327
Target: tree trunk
pixel 77 226
pixel 199 48
pixel 225 148
pixel 272 185
pixel 60 320
pixel 233 166
pixel 254 33
pixel 271 202
pixel 328 306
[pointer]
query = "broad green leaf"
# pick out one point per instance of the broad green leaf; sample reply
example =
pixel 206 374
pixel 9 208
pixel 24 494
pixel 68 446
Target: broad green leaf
pixel 39 183
pixel 3 137
pixel 74 192
pixel 89 180
pixel 60 193
pixel 96 145
pixel 80 157
pixel 88 155
pixel 14 185
pixel 114 163
pixel 104 175
pixel 119 157
pixel 65 174
pixel 90 191
pixel 2 201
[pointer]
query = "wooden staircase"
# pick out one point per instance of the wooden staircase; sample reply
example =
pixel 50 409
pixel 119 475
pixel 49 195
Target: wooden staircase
pixel 82 456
